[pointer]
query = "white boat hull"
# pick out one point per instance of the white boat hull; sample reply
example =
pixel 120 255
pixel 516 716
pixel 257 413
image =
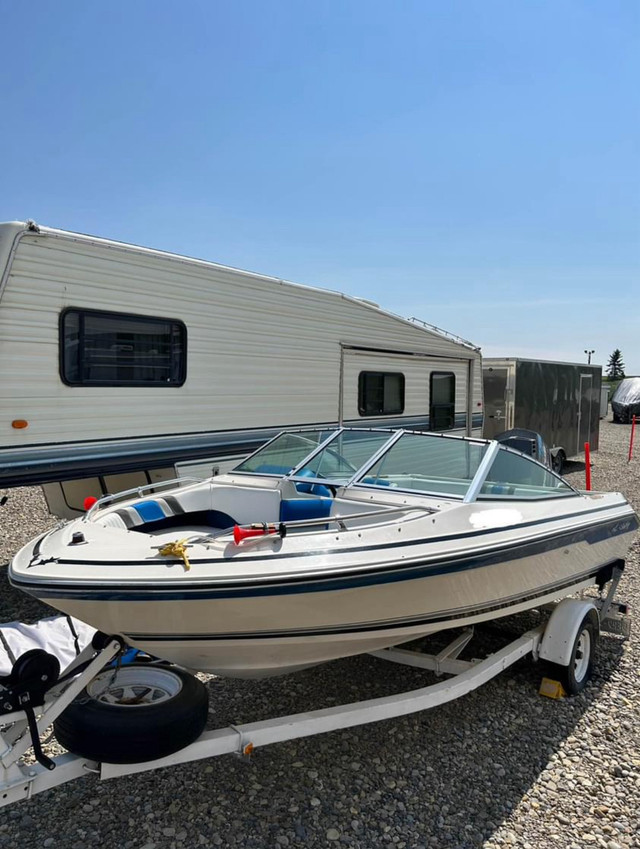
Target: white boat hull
pixel 314 570
pixel 283 629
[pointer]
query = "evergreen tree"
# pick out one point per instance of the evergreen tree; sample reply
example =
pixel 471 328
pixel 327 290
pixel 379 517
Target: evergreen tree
pixel 615 366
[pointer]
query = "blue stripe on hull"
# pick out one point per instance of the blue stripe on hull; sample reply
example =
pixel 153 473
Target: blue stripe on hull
pixel 380 625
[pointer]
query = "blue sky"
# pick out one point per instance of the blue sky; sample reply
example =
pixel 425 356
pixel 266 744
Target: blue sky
pixel 475 164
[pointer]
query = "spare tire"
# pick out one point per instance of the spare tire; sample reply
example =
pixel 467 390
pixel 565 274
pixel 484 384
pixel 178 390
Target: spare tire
pixel 135 713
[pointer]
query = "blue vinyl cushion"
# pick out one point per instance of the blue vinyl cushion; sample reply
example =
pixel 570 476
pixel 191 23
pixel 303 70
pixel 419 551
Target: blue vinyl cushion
pixel 312 488
pixel 295 509
pixel 377 481
pixel 149 511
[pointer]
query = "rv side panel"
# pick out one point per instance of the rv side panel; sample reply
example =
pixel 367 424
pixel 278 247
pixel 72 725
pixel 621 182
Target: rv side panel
pixel 416 373
pixel 260 352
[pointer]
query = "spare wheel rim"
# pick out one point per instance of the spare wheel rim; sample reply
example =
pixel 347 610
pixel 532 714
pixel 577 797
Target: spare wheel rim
pixel 137 686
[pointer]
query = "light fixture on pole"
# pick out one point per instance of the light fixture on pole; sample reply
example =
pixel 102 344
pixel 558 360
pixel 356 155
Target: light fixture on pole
pixel 588 353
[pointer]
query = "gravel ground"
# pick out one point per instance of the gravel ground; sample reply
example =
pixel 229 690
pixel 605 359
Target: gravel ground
pixel 501 766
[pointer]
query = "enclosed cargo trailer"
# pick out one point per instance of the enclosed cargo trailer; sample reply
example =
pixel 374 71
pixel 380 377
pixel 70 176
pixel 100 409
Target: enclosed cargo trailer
pixel 560 401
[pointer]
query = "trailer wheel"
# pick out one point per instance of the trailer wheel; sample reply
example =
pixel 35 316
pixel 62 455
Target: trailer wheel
pixel 575 675
pixel 557 462
pixel 136 713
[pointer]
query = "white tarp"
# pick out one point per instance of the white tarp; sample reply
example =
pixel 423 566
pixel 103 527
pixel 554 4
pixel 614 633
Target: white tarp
pixel 62 636
pixel 627 392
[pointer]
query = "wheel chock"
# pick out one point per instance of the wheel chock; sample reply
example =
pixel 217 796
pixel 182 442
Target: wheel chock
pixel 552 689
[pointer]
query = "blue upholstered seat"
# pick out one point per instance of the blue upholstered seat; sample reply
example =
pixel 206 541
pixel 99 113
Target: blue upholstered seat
pixel 296 509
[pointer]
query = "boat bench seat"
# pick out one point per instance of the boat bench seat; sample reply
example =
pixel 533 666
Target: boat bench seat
pixel 236 505
pixel 160 513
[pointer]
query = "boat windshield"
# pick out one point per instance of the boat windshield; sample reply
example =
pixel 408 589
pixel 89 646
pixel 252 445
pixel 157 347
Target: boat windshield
pixel 347 452
pixel 285 452
pixel 433 464
pixel 428 464
pixel 515 476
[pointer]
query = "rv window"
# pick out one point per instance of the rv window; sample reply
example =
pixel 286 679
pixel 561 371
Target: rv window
pixel 442 400
pixel 112 349
pixel 380 393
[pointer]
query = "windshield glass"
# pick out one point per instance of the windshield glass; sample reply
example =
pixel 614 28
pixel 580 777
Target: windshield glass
pixel 437 465
pixel 515 476
pixel 343 456
pixel 284 453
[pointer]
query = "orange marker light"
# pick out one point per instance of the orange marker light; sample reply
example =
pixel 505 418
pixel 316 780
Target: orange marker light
pixel 19 424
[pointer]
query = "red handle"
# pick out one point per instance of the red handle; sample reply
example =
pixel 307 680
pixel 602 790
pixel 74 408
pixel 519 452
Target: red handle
pixel 253 531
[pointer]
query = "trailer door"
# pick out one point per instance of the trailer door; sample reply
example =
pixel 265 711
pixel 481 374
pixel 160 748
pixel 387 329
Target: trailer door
pixel 584 411
pixel 494 384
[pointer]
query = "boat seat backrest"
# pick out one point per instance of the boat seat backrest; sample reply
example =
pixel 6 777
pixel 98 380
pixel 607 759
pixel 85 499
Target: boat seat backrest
pixel 304 488
pixel 217 506
pixel 246 504
pixel 157 510
pixel 299 509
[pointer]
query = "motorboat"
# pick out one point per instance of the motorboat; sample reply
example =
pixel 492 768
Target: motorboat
pixel 325 544
pixel 625 401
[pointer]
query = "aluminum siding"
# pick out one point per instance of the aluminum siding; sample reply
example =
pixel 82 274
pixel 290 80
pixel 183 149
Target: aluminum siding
pixel 261 352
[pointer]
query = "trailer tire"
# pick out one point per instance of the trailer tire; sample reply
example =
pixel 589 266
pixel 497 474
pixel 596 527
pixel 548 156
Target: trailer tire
pixel 575 675
pixel 557 462
pixel 148 711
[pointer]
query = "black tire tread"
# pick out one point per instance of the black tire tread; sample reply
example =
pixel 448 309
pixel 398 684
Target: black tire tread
pixel 111 733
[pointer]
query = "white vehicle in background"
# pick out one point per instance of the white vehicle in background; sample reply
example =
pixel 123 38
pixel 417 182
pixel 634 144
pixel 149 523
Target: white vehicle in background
pixel 120 365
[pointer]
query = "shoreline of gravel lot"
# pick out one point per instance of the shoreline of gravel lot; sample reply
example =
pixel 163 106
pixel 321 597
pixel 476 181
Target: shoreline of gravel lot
pixel 501 766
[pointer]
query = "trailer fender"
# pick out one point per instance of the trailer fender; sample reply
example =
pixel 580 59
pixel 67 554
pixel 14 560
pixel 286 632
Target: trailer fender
pixel 562 629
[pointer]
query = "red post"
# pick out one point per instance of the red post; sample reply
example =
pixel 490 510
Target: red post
pixel 633 430
pixel 587 466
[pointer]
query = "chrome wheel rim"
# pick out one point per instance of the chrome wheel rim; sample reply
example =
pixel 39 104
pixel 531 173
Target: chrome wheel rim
pixel 135 686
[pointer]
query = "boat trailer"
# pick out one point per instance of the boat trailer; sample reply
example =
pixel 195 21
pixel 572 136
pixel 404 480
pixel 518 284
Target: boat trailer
pixel 35 694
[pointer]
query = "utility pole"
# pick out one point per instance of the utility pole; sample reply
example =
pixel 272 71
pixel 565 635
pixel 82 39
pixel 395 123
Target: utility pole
pixel 588 353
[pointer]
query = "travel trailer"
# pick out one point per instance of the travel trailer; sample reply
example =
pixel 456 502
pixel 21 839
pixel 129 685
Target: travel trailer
pixel 121 366
pixel 560 401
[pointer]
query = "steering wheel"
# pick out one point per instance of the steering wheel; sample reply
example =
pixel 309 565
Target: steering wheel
pixel 326 490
